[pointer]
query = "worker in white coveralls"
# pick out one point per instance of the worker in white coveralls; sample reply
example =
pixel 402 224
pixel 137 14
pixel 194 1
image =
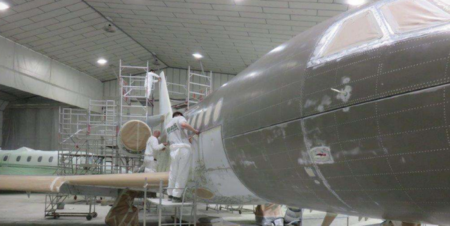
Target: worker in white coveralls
pixel 153 146
pixel 151 78
pixel 180 154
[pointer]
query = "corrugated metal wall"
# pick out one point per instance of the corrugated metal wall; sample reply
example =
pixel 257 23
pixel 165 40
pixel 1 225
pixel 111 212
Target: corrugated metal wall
pixel 180 76
pixel 35 128
pixel 173 75
pixel 3 105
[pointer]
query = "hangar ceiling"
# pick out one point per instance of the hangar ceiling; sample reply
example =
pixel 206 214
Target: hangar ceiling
pixel 230 34
pixel 71 32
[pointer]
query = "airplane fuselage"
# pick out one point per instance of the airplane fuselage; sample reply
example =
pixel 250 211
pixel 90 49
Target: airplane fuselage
pixel 362 132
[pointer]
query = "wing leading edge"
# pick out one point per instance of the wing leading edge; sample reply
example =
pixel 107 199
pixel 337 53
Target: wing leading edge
pixel 53 184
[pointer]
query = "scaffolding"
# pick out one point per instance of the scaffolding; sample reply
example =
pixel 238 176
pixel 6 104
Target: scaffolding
pixel 56 202
pixel 88 140
pixel 134 98
pixel 199 85
pixel 73 133
pixel 161 202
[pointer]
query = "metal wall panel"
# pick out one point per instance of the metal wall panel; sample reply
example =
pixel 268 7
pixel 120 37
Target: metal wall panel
pixel 26 70
pixel 3 105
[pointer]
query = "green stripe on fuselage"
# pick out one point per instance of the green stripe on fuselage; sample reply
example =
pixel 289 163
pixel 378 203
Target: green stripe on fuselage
pixel 10 169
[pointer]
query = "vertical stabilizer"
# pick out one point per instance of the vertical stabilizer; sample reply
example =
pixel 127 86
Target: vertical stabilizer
pixel 165 107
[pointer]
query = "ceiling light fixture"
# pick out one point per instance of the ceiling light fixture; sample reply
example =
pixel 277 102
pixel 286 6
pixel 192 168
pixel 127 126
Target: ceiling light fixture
pixel 102 61
pixel 197 55
pixel 4 6
pixel 356 2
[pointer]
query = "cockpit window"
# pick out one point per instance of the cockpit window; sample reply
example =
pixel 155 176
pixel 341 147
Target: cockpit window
pixel 355 31
pixel 5 158
pixel 413 15
pixel 383 23
pixel 18 158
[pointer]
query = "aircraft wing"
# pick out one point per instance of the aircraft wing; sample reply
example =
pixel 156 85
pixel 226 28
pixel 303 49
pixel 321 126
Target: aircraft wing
pixel 69 184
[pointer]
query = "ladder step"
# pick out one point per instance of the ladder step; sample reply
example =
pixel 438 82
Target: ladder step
pixel 199 84
pixel 204 76
pixel 197 93
pixel 134 116
pixel 176 92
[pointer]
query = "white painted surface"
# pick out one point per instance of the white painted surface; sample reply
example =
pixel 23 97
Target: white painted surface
pixel 219 177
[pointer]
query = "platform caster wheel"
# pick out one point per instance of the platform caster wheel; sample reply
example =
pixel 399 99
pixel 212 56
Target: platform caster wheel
pixel 207 208
pixel 240 211
pixel 89 217
pixel 94 214
pixel 220 208
pixel 55 216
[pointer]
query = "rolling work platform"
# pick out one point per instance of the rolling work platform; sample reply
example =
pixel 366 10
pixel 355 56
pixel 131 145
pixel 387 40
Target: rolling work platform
pixel 161 203
pixel 88 146
pixel 55 202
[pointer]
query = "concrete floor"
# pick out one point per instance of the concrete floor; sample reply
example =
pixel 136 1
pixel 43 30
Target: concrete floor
pixel 18 209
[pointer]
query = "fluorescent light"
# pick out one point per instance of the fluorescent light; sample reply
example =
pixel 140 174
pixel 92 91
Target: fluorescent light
pixel 102 61
pixel 197 55
pixel 4 6
pixel 356 2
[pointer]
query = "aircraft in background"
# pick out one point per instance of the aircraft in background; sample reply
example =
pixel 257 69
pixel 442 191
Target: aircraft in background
pixel 27 161
pixel 349 117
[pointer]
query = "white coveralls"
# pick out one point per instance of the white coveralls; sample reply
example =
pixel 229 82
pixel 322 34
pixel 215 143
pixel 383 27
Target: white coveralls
pixel 180 154
pixel 149 159
pixel 149 80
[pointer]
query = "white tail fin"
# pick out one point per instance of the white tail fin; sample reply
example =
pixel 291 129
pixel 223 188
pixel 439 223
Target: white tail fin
pixel 165 107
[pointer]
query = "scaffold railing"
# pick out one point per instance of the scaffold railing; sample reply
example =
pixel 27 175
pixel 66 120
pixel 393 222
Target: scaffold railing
pixel 89 141
pixel 134 98
pixel 199 85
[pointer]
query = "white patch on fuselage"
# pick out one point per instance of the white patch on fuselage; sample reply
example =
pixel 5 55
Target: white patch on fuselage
pixel 326 101
pixel 345 94
pixel 345 80
pixel 310 172
pixel 248 163
pixel 321 155
pixel 308 144
pixel 310 103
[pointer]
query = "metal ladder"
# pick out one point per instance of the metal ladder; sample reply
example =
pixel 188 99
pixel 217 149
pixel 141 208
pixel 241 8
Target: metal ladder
pixel 197 90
